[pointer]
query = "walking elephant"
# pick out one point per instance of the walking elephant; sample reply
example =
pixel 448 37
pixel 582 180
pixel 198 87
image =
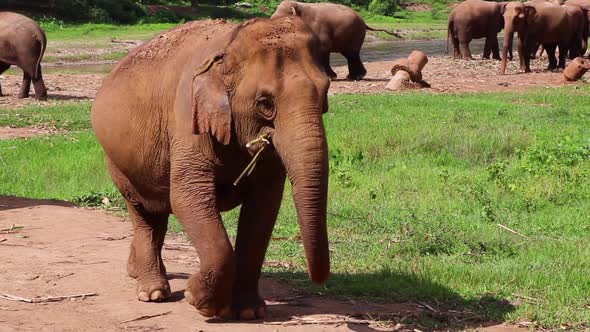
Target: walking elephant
pixel 537 22
pixel 339 28
pixel 207 117
pixel 22 44
pixel 474 19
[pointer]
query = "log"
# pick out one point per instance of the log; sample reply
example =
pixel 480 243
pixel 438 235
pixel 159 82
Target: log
pixel 576 69
pixel 399 81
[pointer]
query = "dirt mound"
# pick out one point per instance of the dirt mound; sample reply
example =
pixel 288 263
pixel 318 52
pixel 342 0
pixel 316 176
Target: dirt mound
pixel 56 249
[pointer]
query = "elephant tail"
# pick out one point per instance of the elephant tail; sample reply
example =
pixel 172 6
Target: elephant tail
pixel 393 33
pixel 449 28
pixel 42 38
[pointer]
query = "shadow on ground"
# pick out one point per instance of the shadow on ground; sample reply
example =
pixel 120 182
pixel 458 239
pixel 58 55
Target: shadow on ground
pixel 14 202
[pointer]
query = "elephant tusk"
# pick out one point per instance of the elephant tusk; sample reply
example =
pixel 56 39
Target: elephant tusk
pixel 250 168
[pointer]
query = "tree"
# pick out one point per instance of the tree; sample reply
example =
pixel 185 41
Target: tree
pixel 194 3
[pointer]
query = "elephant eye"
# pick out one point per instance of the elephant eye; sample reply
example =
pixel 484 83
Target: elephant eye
pixel 266 107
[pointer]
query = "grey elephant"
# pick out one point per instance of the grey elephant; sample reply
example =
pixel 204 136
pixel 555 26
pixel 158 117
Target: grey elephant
pixel 184 118
pixel 22 44
pixel 474 19
pixel 339 28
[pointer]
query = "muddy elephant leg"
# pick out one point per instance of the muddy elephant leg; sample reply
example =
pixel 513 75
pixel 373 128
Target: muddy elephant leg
pixel 326 62
pixel 495 47
pixel 486 49
pixel 149 230
pixel 356 69
pixel 3 68
pixel 563 49
pixel 464 46
pixel 550 49
pixel 257 218
pixel 39 84
pixel 457 50
pixel 194 203
pixel 26 86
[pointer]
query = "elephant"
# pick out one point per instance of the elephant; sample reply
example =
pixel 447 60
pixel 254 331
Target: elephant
pixel 537 22
pixel 474 19
pixel 585 5
pixel 22 44
pixel 578 18
pixel 339 28
pixel 204 118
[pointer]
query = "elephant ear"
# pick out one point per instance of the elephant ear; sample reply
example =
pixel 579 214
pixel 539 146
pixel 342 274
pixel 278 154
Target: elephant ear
pixel 210 102
pixel 503 7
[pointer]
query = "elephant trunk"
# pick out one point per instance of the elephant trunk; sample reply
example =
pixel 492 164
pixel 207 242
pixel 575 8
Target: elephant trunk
pixel 508 38
pixel 301 144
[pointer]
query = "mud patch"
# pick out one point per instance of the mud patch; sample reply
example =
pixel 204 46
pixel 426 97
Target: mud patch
pixel 12 133
pixel 60 249
pixel 60 87
pixel 456 76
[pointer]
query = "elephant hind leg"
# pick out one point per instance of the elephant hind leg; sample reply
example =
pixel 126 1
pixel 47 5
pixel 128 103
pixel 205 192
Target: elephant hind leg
pixel 456 50
pixel 464 46
pixel 39 84
pixel 550 49
pixel 149 230
pixel 26 86
pixel 3 67
pixel 356 69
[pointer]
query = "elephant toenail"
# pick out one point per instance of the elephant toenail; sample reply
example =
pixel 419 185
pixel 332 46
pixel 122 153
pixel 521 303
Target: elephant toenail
pixel 143 296
pixel 207 312
pixel 157 295
pixel 247 314
pixel 189 297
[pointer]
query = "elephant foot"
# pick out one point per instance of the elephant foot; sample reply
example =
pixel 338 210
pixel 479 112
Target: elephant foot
pixel 206 293
pixel 248 305
pixel 355 77
pixel 153 289
pixel 22 96
pixel 332 75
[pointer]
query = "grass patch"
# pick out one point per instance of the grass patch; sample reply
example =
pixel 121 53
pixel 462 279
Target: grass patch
pixel 69 116
pixel 416 193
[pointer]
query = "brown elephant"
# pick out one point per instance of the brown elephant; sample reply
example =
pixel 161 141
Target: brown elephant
pixel 339 28
pixel 585 5
pixel 180 118
pixel 474 19
pixel 537 22
pixel 22 44
pixel 578 18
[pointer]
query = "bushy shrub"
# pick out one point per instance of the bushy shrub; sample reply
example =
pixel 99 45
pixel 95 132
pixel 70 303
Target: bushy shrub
pixel 383 7
pixel 99 11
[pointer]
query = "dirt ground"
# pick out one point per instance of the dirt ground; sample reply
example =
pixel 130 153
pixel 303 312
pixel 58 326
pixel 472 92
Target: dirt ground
pixel 443 73
pixel 62 250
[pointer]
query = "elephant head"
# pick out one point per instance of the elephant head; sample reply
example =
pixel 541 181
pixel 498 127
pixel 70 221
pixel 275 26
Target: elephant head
pixel 516 17
pixel 286 8
pixel 268 81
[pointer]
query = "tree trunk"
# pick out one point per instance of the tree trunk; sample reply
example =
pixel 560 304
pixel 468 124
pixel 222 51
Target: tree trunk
pixel 194 3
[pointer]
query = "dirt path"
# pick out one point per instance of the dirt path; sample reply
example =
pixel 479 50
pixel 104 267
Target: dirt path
pixel 64 250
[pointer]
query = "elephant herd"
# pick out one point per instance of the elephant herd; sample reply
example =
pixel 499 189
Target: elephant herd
pixel 562 26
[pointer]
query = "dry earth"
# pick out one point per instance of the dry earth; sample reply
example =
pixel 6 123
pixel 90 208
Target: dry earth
pixel 63 250
pixel 443 73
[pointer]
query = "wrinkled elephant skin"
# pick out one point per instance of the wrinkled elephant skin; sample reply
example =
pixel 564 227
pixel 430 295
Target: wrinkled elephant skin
pixel 181 117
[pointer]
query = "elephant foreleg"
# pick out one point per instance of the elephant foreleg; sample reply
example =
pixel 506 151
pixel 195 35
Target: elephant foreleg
pixel 495 48
pixel 194 203
pixel 26 86
pixel 550 49
pixel 487 49
pixel 563 50
pixel 149 230
pixel 356 69
pixel 257 218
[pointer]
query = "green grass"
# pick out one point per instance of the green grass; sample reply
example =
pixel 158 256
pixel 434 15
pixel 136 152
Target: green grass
pixel 70 116
pixel 418 185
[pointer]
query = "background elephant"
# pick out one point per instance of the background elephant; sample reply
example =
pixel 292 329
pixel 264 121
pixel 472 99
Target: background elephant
pixel 339 28
pixel 585 5
pixel 474 19
pixel 181 117
pixel 578 18
pixel 22 44
pixel 537 22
